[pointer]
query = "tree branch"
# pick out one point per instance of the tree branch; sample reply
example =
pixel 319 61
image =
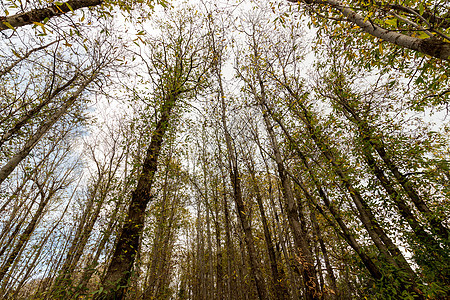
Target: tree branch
pixel 39 15
pixel 430 46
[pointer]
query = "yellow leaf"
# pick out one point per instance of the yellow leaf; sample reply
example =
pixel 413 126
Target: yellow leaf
pixel 40 24
pixel 16 54
pixel 368 16
pixel 70 7
pixel 8 25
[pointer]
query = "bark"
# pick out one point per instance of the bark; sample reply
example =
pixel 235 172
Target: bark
pixel 90 268
pixel 82 235
pixel 18 216
pixel 242 212
pixel 332 278
pixel 430 46
pixel 38 15
pixel 210 271
pixel 159 270
pixel 382 241
pixel 119 269
pixel 157 254
pixel 302 248
pixel 230 288
pixel 278 228
pixel 422 236
pixel 277 275
pixel 345 232
pixel 219 268
pixel 31 265
pixel 164 259
pixel 27 177
pixel 384 244
pixel 231 279
pixel 303 251
pixel 437 21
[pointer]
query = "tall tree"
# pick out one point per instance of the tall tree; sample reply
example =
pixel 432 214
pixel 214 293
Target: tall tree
pixel 178 69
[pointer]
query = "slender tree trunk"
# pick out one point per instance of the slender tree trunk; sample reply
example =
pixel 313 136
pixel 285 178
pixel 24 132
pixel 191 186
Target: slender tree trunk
pixel 119 269
pixel 32 112
pixel 240 206
pixel 330 273
pixel 385 245
pixel 26 235
pixel 219 258
pixel 303 251
pixel 90 268
pixel 377 143
pixel 345 232
pixel 41 131
pixel 277 275
pixel 85 227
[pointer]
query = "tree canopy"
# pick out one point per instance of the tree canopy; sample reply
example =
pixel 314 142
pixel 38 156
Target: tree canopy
pixel 221 150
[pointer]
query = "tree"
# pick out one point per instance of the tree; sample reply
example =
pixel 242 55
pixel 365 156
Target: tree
pixel 177 69
pixel 212 159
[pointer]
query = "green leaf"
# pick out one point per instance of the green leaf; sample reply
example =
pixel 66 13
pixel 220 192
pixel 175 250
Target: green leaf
pixel 392 22
pixel 421 8
pixel 423 35
pixel 70 7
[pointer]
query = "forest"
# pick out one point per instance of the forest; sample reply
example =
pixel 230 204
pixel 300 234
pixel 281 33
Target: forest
pixel 271 150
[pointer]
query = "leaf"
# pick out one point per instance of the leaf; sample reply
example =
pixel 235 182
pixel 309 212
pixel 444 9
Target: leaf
pixel 8 25
pixel 70 7
pixel 423 35
pixel 392 22
pixel 39 24
pixel 421 8
pixel 368 16
pixel 16 54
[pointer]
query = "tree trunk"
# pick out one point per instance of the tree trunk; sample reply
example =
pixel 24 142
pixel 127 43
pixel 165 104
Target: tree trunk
pixel 243 214
pixel 370 141
pixel 277 275
pixel 119 269
pixel 26 234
